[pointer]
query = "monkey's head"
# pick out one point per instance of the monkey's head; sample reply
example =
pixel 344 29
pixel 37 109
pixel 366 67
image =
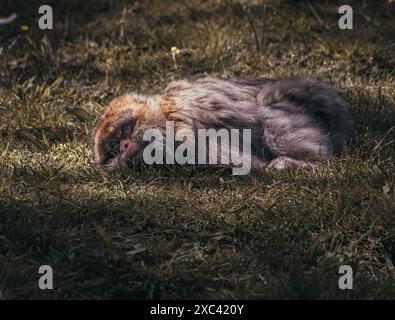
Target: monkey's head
pixel 118 136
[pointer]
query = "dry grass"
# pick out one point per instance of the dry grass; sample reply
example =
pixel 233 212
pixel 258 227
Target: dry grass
pixel 176 232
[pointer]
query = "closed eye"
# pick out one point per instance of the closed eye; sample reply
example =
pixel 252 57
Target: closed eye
pixel 126 130
pixel 113 145
pixel 111 149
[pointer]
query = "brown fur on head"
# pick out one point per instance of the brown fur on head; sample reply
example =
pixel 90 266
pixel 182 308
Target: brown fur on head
pixel 118 135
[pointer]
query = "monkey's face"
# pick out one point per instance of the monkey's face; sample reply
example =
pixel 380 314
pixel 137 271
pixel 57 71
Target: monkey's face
pixel 118 137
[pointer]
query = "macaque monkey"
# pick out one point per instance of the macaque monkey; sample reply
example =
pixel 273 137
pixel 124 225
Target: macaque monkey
pixel 295 122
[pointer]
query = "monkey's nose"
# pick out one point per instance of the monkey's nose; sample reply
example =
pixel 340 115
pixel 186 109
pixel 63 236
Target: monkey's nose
pixel 124 146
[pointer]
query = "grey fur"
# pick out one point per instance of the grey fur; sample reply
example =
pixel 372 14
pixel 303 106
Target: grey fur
pixel 300 118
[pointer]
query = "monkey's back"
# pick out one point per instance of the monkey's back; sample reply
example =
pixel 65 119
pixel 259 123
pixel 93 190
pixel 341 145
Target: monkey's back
pixel 299 117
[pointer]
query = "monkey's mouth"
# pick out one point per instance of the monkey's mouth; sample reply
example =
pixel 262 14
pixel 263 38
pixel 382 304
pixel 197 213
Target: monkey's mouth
pixel 114 161
pixel 110 161
pixel 120 158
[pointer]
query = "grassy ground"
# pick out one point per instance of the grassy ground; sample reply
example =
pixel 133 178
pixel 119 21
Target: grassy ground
pixel 179 232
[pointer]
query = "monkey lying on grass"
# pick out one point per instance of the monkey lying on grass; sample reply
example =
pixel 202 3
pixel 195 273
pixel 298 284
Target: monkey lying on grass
pixel 295 122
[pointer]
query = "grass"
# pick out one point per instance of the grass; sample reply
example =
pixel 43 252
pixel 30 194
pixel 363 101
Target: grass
pixel 179 232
